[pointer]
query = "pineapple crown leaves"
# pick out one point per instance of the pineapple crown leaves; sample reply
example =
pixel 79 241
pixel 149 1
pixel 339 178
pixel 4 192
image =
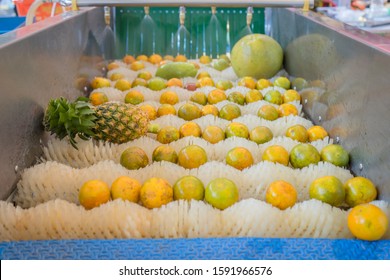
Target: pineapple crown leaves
pixel 64 118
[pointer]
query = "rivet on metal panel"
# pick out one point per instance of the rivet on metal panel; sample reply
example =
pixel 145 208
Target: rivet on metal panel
pixel 16 169
pixel 337 139
pixel 85 89
pixel 360 166
pixel 305 101
pixel 319 118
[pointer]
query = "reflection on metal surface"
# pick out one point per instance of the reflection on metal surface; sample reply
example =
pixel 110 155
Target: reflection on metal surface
pixel 353 103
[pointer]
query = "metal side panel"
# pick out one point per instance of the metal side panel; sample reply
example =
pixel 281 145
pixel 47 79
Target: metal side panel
pixel 353 67
pixel 39 62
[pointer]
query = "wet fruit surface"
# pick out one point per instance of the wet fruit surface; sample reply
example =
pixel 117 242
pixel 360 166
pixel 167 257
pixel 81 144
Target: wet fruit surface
pixel 169 97
pixel 268 112
pixel 281 194
pixel 367 222
pixel 253 95
pixel 303 155
pixel 190 129
pixel 126 188
pixel 328 189
pixel 216 96
pixel 134 158
pixel 166 109
pixel 229 112
pixel 291 95
pixel 277 154
pixel 298 132
pixel 236 129
pixel 189 112
pixel 93 193
pixel 188 187
pixel 164 153
pixel 134 97
pixel 213 134
pixel 287 109
pixel 156 192
pixel 98 98
pixel 168 134
pixel 236 97
pixel 221 193
pixel 199 97
pixel 261 135
pixel 192 156
pixel 316 133
pixel 239 158
pixel 274 97
pixel 282 82
pixel 210 110
pixel 359 190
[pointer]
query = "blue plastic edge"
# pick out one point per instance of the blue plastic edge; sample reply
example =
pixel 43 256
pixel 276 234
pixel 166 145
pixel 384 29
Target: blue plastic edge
pixel 198 249
pixel 10 23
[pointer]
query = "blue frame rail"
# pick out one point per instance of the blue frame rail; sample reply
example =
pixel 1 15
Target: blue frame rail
pixel 198 249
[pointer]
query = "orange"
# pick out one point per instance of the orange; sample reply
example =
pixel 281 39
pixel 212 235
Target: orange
pixel 116 76
pixel 146 75
pixel 180 58
pixel 205 59
pixel 174 82
pixel 303 155
pixel 128 59
pixel 134 158
pixel 150 111
pixel 134 97
pixel 164 153
pixel 298 132
pixel 215 96
pixel 97 98
pixel 100 82
pixel 229 112
pixel 281 194
pixel 122 84
pixel 253 95
pixel 367 222
pixel 169 97
pixel 236 97
pixel 168 134
pixel 359 190
pixel 188 188
pixel 235 129
pixel 189 112
pixel 277 154
pixel 261 134
pixel 282 82
pixel 192 156
pixel 126 188
pixel 213 134
pixel 155 59
pixel 287 109
pixel 203 74
pixel 209 110
pixel 224 84
pixel 156 192
pixel 166 109
pixel 274 97
pixel 204 82
pixel 328 189
pixel 112 65
pixel 142 57
pixel 139 82
pixel 335 154
pixel 190 129
pixel 268 112
pixel 248 82
pixel 291 95
pixel 240 158
pixel 169 58
pixel 93 193
pixel 221 193
pixel 263 83
pixel 137 65
pixel 199 97
pixel 316 133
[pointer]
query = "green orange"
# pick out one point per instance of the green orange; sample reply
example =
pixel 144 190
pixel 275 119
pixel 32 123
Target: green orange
pixel 359 190
pixel 221 193
pixel 277 154
pixel 188 187
pixel 281 194
pixel 328 189
pixel 192 156
pixel 303 155
pixel 239 158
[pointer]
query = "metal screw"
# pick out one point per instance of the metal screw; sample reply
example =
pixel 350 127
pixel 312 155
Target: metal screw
pixel 360 166
pixel 319 118
pixel 337 139
pixel 16 169
pixel 305 101
pixel 85 89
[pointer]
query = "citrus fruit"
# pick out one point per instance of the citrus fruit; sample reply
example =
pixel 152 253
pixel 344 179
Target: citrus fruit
pixel 282 82
pixel 256 55
pixel 236 97
pixel 192 156
pixel 298 132
pixel 145 75
pixel 93 193
pixel 291 95
pixel 168 134
pixel 287 109
pixel 367 222
pixel 137 65
pixel 126 188
pixel 359 190
pixel 155 192
pixel 156 83
pixel 268 112
pixel 169 97
pixel 176 70
pixel 213 134
pixel 281 194
pixel 216 96
pixel 203 74
pixel 141 57
pixel 253 95
pixel 180 58
pixel 303 155
pixel 274 97
pixel 328 189
pixel 205 59
pixel 134 158
pixel 209 110
pixel 128 59
pixel 190 129
pixel 205 82
pixel 199 97
pixel 169 57
pixel 189 112
pixel 316 133
pixel 134 97
pixel 164 153
pixel 139 82
pixel 335 154
pixel 174 82
pixel 150 111
pixel 100 82
pixel 299 84
pixel 277 154
pixel 236 129
pixel 122 84
pixel 166 109
pixel 220 64
pixel 224 56
pixel 188 187
pixel 221 193
pixel 247 82
pixel 224 84
pixel 97 98
pixel 112 66
pixel 260 135
pixel 239 157
pixel 155 59
pixel 116 76
pixel 229 112
pixel 263 83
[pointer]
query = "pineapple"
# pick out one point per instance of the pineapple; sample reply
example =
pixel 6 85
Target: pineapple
pixel 111 121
